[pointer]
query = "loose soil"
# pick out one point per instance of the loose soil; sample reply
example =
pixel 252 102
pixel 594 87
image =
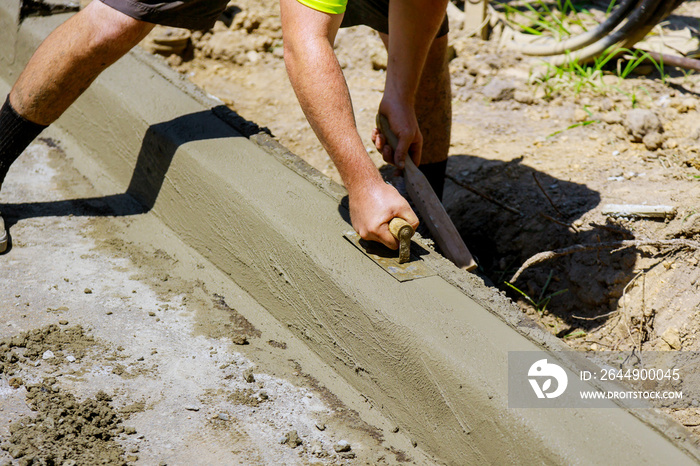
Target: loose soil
pixel 532 165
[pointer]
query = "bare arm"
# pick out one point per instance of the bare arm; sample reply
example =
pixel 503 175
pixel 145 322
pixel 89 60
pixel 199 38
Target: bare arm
pixel 413 25
pixel 320 86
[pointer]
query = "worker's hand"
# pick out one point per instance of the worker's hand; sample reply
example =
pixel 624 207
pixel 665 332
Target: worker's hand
pixel 372 208
pixel 403 123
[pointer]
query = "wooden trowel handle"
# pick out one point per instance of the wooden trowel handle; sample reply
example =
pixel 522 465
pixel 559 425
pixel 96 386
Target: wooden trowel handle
pixel 431 210
pixel 403 232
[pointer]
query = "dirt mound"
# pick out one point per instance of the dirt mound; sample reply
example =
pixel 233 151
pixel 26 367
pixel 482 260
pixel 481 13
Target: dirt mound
pixel 52 343
pixel 66 431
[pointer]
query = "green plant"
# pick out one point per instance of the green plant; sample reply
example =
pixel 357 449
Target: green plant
pixel 575 125
pixel 575 334
pixel 538 18
pixel 541 303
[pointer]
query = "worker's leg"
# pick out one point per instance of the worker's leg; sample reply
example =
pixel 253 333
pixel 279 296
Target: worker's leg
pixel 434 113
pixel 63 66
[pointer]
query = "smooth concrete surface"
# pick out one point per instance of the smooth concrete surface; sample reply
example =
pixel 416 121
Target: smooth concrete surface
pixel 431 354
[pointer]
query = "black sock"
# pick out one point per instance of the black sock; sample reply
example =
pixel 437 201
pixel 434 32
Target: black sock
pixel 435 173
pixel 16 133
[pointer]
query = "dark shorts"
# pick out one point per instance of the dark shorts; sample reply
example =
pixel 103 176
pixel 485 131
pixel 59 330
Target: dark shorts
pixel 189 14
pixel 375 14
pixel 202 14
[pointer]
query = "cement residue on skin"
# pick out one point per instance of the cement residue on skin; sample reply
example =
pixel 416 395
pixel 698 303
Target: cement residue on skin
pixel 65 430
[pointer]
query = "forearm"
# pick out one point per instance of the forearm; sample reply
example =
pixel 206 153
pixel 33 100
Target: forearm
pixel 325 100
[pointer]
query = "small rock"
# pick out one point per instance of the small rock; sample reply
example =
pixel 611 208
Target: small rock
pixel 248 376
pixel 151 314
pixel 320 426
pixel 653 141
pixel 342 446
pixel 524 97
pixel 395 429
pixel 347 455
pixel 239 340
pixel 70 358
pixel 48 354
pixel 685 105
pixel 223 417
pixel 87 291
pixel 672 337
pixel 316 448
pixel 580 115
pixel 129 430
pixel 62 322
pixel 378 58
pixel 16 382
pixel 499 89
pixel 292 439
pixel 611 118
pixel 191 408
pixel 641 122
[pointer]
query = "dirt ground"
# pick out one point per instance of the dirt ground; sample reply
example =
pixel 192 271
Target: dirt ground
pixel 533 164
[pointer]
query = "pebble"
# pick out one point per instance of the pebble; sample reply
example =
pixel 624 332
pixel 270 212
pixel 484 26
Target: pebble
pixel 62 322
pixel 70 358
pixel 87 291
pixel 320 426
pixel 499 89
pixel 292 439
pixel 641 122
pixel 342 446
pixel 224 417
pixel 191 408
pixel 248 376
pixel 239 340
pixel 48 354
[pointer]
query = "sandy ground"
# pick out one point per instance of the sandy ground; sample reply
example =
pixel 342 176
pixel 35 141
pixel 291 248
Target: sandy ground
pixel 532 165
pixel 109 325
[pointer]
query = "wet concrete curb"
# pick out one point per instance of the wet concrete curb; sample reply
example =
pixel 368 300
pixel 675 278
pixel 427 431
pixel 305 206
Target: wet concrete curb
pixel 431 354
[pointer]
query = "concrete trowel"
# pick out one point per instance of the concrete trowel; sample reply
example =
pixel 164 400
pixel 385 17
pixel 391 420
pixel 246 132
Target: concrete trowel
pixel 406 265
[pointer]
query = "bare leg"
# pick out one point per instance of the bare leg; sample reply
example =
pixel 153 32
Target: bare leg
pixel 434 113
pixel 70 59
pixel 434 102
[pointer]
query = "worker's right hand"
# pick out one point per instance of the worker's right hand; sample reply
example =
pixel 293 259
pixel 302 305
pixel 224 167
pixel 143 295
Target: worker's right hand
pixel 402 120
pixel 373 207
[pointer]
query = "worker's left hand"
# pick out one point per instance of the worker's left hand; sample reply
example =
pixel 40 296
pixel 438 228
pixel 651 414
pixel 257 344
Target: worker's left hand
pixel 403 123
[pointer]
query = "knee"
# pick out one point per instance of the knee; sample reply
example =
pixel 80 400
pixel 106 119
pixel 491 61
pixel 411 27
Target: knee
pixel 114 29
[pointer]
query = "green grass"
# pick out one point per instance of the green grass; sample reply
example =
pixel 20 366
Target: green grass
pixel 542 301
pixel 578 77
pixel 561 20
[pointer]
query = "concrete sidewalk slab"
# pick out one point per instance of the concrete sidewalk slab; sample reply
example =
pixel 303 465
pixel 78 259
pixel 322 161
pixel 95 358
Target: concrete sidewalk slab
pixel 431 354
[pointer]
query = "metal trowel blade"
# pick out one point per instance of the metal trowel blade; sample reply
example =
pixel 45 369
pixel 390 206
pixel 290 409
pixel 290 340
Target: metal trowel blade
pixel 389 260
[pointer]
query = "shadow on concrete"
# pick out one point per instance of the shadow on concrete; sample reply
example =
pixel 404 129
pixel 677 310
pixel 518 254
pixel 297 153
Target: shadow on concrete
pixel 159 145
